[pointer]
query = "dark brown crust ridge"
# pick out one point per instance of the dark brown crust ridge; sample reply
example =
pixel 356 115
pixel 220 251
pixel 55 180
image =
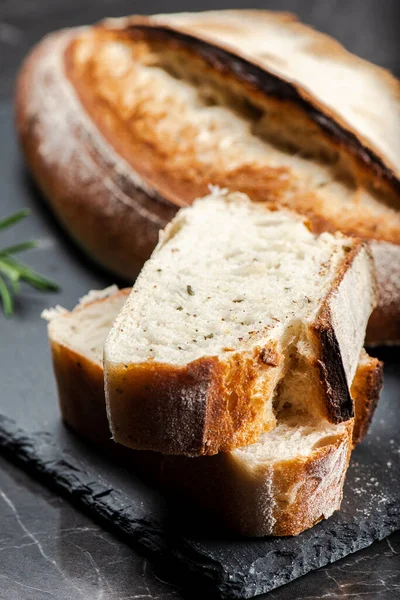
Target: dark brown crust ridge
pixel 340 405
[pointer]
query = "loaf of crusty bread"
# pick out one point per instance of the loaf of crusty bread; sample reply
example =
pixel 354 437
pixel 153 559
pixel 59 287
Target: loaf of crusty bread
pixel 239 311
pixel 288 480
pixel 125 122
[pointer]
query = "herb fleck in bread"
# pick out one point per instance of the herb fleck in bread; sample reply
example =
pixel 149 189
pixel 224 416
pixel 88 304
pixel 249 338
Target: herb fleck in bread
pixel 284 483
pixel 150 110
pixel 238 309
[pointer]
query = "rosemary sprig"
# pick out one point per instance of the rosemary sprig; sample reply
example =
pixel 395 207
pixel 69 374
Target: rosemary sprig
pixel 13 271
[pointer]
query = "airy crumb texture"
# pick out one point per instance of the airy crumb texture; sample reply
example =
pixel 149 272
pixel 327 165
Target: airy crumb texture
pixel 85 328
pixel 227 274
pixel 291 438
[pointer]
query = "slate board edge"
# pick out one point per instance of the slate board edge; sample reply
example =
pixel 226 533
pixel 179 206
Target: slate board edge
pixel 78 485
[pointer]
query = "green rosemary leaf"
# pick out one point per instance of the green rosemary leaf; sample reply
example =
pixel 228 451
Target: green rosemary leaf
pixel 15 287
pixel 12 275
pixel 6 298
pixel 30 275
pixel 40 283
pixel 30 245
pixel 13 219
pixel 9 271
pixel 13 271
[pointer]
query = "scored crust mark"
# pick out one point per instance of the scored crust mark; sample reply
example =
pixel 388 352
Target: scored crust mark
pixel 294 50
pixel 272 85
pixel 119 84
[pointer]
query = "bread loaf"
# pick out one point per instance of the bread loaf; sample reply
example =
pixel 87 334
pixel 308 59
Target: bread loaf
pixel 125 122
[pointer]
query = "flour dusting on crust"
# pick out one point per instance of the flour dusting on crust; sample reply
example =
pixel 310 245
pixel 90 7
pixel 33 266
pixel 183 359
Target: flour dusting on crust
pixel 55 111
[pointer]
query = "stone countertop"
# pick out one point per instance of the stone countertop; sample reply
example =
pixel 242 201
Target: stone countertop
pixel 47 548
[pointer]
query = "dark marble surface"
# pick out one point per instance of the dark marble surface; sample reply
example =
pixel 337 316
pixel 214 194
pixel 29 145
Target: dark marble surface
pixel 47 548
pixel 50 550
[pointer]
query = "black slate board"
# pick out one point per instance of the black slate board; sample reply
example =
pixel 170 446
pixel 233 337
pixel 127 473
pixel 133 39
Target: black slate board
pixel 32 435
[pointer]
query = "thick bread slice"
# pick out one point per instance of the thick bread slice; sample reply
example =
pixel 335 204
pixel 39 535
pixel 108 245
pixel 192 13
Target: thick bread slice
pixel 152 110
pixel 252 492
pixel 240 311
pixel 77 341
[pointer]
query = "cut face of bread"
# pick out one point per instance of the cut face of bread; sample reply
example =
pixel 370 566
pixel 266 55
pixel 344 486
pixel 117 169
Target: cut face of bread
pixel 77 341
pixel 285 482
pixel 199 115
pixel 238 309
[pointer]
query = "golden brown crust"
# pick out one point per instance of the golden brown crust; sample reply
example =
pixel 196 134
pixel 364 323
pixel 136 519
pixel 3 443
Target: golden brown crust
pixel 132 134
pixel 239 499
pixel 279 500
pixel 198 409
pixel 318 482
pixel 255 76
pixel 80 384
pixel 114 219
pixel 365 391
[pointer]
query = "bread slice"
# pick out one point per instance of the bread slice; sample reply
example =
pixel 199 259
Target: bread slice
pixel 284 483
pixel 77 341
pixel 125 122
pixel 239 309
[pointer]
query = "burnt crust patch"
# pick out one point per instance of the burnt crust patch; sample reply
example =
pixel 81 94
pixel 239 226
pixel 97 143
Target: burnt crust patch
pixel 340 404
